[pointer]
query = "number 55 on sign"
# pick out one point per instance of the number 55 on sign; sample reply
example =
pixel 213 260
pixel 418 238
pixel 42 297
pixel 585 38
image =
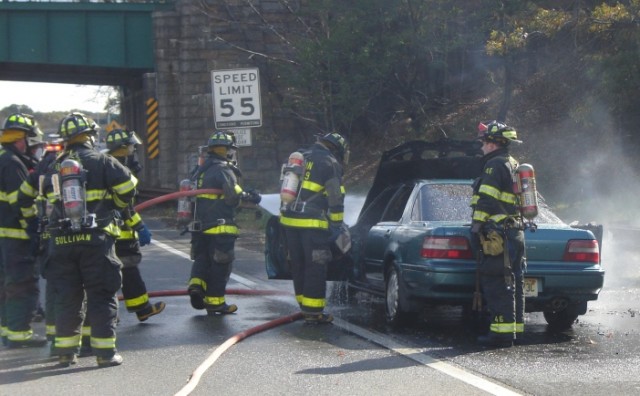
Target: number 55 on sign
pixel 236 98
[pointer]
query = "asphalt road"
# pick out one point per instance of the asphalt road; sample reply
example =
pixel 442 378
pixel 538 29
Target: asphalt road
pixel 358 355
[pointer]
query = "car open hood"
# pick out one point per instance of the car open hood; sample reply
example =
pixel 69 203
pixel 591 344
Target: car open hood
pixel 443 159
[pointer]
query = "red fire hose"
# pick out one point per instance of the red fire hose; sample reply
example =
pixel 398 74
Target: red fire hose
pixel 174 195
pixel 197 374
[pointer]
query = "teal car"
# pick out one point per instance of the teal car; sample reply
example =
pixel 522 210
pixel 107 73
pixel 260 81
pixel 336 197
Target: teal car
pixel 411 243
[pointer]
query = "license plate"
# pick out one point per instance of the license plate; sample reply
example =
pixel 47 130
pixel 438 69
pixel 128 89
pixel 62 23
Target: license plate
pixel 530 287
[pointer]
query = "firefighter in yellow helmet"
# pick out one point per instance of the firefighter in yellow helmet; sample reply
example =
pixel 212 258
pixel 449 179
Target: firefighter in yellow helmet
pixel 495 212
pixel 313 221
pixel 134 233
pixel 87 191
pixel 18 275
pixel 214 231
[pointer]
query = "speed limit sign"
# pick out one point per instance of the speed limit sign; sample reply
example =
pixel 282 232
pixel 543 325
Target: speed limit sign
pixel 236 98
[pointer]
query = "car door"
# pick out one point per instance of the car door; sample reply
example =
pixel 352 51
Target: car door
pixel 380 236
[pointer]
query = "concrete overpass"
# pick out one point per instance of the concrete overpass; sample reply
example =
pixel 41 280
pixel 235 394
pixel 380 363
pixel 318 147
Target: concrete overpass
pixel 162 54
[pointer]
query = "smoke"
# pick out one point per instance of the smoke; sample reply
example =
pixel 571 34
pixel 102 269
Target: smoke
pixel 586 176
pixel 352 206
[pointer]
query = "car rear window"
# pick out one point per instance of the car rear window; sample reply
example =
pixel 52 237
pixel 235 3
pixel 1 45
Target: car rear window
pixel 443 202
pixel 450 202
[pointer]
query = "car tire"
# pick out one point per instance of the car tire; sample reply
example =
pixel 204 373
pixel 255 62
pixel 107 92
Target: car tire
pixel 395 312
pixel 561 320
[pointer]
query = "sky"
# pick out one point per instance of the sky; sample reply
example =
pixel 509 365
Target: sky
pixel 46 97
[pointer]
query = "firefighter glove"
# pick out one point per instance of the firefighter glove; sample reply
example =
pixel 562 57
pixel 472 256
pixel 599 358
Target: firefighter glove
pixel 335 229
pixel 251 196
pixel 33 225
pixel 144 235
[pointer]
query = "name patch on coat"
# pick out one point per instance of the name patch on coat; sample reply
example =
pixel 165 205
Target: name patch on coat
pixel 75 238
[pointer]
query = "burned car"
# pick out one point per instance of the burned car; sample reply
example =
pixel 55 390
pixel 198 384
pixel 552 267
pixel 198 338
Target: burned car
pixel 412 244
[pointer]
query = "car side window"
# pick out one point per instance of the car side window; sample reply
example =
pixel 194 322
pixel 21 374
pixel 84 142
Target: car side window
pixel 374 211
pixel 396 206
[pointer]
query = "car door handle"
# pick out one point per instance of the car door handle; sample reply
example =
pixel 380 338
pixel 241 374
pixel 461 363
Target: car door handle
pixel 387 234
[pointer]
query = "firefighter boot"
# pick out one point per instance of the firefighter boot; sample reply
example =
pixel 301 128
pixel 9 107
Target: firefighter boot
pixel 114 360
pixel 32 342
pixel 67 360
pixel 317 318
pixel 150 310
pixel 196 293
pixel 221 309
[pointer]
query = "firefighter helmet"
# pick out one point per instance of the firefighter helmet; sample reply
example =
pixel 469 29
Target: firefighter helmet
pixel 22 122
pixel 121 137
pixel 75 124
pixel 497 132
pixel 338 144
pixel 220 138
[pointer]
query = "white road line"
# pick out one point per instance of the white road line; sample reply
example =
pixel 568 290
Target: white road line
pixel 420 356
pixel 415 354
pixel 244 281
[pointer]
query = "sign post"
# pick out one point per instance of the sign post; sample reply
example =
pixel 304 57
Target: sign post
pixel 236 98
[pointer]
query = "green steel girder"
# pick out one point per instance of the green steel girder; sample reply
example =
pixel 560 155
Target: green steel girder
pixel 103 35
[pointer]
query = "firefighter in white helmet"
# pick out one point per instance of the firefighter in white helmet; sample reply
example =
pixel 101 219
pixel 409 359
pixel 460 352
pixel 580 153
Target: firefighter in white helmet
pixel 496 219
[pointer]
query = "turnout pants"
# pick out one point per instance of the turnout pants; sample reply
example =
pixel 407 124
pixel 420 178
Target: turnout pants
pixel 134 289
pixel 505 300
pixel 85 263
pixel 309 254
pixel 19 290
pixel 213 257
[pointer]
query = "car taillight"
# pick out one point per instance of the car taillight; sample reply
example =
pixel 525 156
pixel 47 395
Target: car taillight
pixel 583 251
pixel 446 247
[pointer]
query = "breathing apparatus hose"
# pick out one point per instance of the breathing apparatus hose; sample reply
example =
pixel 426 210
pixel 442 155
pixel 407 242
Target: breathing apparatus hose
pixel 194 379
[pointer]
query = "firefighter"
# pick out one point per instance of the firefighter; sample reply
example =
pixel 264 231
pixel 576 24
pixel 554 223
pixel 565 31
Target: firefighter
pixel 134 233
pixel 52 149
pixel 313 221
pixel 19 291
pixel 87 191
pixel 214 231
pixel 496 218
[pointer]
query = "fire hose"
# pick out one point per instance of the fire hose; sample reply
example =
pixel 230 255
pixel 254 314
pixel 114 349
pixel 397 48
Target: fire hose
pixel 197 374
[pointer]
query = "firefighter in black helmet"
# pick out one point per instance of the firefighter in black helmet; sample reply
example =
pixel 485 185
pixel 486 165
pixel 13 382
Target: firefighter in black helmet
pixel 496 216
pixel 18 275
pixel 133 233
pixel 313 221
pixel 87 190
pixel 214 231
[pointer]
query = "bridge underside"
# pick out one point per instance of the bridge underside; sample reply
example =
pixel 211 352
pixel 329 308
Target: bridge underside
pixel 83 75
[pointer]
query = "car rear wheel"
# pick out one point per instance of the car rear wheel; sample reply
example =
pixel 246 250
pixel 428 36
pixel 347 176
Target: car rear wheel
pixel 561 319
pixel 394 297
